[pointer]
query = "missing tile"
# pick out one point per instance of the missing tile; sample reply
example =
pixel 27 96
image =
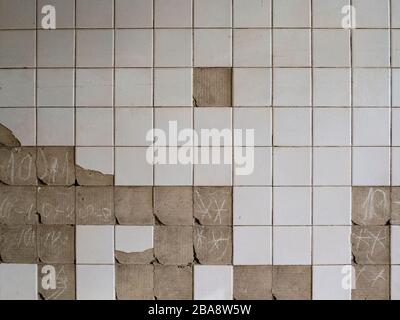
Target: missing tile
pixel 86 177
pixel 252 282
pixel 7 138
pixel 213 205
pixel 56 244
pixel 64 282
pixel 371 283
pixel 134 282
pixel 134 205
pixel 18 166
pixel 173 282
pixel 18 244
pixel 292 282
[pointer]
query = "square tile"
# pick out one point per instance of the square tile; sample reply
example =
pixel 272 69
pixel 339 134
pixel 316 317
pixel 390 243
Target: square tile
pixel 21 123
pixel 18 88
pixel 211 119
pixel 291 47
pixel 395 282
pixel 94 165
pixel 99 41
pixel 395 127
pixel 292 13
pixel 212 47
pixel 332 87
pixel 395 84
pixel 56 244
pixel 94 13
pixel 206 251
pixel 371 48
pixel 256 119
pixel 24 158
pixel 297 211
pixel 252 245
pixel 331 245
pixel 371 87
pixel 94 127
pixel 292 245
pixel 213 282
pixel 65 12
pixel 332 206
pixel 251 87
pixel 63 273
pixel 55 127
pixel 20 205
pixel 173 282
pixel 371 166
pixel 88 286
pixel 395 206
pixel 251 13
pixel 133 244
pixel 380 18
pixel 171 173
pixel 173 48
pixel 332 282
pixel 332 126
pixel 395 244
pixel 133 14
pixel 252 282
pixel 292 166
pixel 94 87
pixel 212 13
pixel 55 48
pixel 173 14
pixel 371 283
pixel 134 282
pixel 395 166
pixel 94 245
pixel 287 134
pixel 18 281
pixel 251 48
pixel 18 48
pixel 134 48
pixel 55 87
pixel 18 14
pixel 331 48
pixel 328 13
pixel 395 47
pixel 292 87
pixel 395 13
pixel 332 166
pixel 15 251
pixel 291 282
pixel 132 126
pixel 371 127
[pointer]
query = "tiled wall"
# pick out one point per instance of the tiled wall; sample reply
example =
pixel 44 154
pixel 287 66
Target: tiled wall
pixel 77 193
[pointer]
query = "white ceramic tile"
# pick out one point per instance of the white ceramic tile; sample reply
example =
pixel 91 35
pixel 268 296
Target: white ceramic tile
pixel 212 47
pixel 18 282
pixel 99 159
pixel 251 48
pixel 130 239
pixel 55 48
pixel 395 10
pixel 55 127
pixel 213 282
pixel 332 127
pixel 371 48
pixel 395 84
pixel 134 48
pixel 292 127
pixel 133 126
pixel 331 48
pixel 212 13
pixel 292 245
pixel 100 42
pixel 132 167
pixel 94 127
pixel 253 166
pixel 364 10
pixel 395 127
pixel 371 127
pixel 395 244
pixel 371 87
pixel 94 244
pixel 88 286
pixel 94 13
pixel 251 87
pixel 251 13
pixel 133 13
pixel 292 166
pixel 213 119
pixel 173 173
pixel 292 13
pixel 292 87
pixel 252 205
pixel 292 47
pixel 371 166
pixel 328 13
pixel 396 166
pixel 292 206
pixel 18 88
pixel 395 282
pixel 173 87
pixel 395 47
pixel 17 48
pixel 55 88
pixel 332 245
pixel 332 166
pixel 65 12
pixel 22 123
pixel 331 282
pixel 173 48
pixel 332 206
pixel 17 14
pixel 94 87
pixel 173 13
pixel 252 245
pixel 257 119
pixel 332 87
pixel 133 87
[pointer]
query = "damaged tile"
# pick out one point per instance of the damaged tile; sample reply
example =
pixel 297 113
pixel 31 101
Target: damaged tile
pixel 134 282
pixel 55 165
pixel 86 177
pixel 56 205
pixel 371 205
pixel 395 219
pixel 173 245
pixel 213 244
pixel 134 205
pixel 213 205
pixel 95 205
pixel 370 245
pixel 17 166
pixel 212 87
pixel 56 244
pixel 7 138
pixel 134 244
pixel 174 205
pixel 64 288
pixel 18 205
pixel 173 282
pixel 291 282
pixel 371 283
pixel 252 282
pixel 18 244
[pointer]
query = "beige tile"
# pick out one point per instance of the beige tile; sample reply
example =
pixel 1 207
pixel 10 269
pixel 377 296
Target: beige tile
pixel 173 282
pixel 56 244
pixel 134 205
pixel 18 205
pixel 252 282
pixel 18 166
pixel 134 282
pixel 371 283
pixel 291 282
pixel 18 244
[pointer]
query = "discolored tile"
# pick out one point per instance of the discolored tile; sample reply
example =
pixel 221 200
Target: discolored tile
pixel 56 244
pixel 213 205
pixel 86 177
pixel 395 219
pixel 134 282
pixel 252 282
pixel 18 244
pixel 61 287
pixel 371 283
pixel 134 205
pixel 18 205
pixel 173 282
pixel 292 282
pixel 18 166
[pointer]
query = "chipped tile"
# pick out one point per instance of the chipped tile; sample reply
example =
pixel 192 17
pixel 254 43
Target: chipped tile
pixel 173 282
pixel 213 205
pixel 56 244
pixel 134 282
pixel 18 205
pixel 291 282
pixel 371 283
pixel 17 166
pixel 86 177
pixel 7 138
pixel 252 282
